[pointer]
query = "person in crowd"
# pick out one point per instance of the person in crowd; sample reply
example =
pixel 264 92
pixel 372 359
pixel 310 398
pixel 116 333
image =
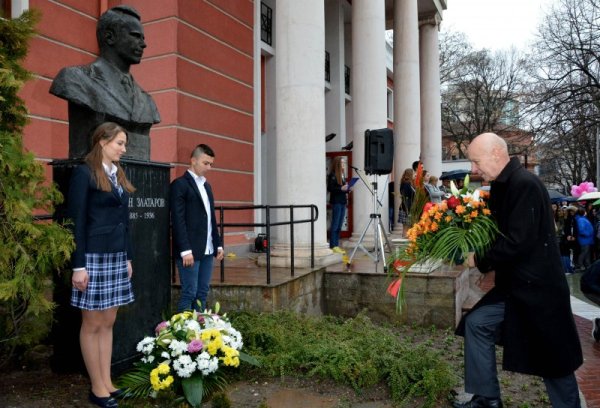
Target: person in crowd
pixel 407 194
pixel 570 235
pixel 585 239
pixel 591 214
pixel 430 184
pixel 338 199
pixel 560 215
pixel 590 287
pixel 196 239
pixel 98 207
pixel 528 310
pixel 445 187
pixel 415 165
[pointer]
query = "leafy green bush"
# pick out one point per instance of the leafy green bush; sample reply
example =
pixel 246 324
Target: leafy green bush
pixel 355 352
pixel 31 250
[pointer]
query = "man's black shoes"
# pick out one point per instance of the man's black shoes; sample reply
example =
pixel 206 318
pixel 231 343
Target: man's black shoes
pixel 479 401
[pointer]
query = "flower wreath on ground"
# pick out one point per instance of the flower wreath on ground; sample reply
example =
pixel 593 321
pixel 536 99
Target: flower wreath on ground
pixel 186 356
pixel 445 231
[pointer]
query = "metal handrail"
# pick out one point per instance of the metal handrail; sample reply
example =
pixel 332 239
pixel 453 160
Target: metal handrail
pixel 314 215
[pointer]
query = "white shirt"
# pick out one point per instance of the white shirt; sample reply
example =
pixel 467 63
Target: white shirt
pixel 110 171
pixel 200 180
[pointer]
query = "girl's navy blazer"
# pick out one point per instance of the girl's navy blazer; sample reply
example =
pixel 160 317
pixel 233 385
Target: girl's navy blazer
pixel 100 218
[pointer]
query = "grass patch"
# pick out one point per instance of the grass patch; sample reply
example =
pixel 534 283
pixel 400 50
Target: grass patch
pixel 354 352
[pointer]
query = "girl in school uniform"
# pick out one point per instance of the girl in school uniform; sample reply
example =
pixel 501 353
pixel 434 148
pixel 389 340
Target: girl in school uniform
pixel 98 207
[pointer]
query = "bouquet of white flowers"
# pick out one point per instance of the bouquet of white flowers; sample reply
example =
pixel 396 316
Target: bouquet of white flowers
pixel 186 353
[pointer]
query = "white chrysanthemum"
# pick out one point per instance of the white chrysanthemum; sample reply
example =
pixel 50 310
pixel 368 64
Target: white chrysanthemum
pixel 148 359
pixel 177 347
pixel 146 345
pixel 184 366
pixel 233 339
pixel 206 363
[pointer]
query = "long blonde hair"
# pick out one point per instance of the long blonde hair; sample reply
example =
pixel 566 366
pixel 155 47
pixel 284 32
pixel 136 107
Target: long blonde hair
pixel 408 176
pixel 336 169
pixel 106 131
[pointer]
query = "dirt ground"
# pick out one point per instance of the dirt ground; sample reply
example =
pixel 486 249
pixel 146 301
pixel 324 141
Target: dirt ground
pixel 36 386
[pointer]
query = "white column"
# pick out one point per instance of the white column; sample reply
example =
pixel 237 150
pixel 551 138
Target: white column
pixel 407 109
pixel 431 115
pixel 300 122
pixel 335 95
pixel 369 98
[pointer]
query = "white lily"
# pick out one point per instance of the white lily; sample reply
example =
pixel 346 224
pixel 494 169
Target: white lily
pixel 453 189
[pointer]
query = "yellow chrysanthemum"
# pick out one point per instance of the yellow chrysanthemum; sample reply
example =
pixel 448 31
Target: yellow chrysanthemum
pixel 231 356
pixel 159 378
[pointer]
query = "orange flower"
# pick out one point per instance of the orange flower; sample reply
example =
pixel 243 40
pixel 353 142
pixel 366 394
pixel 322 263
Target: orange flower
pixel 448 218
pixel 438 216
pixel 419 177
pixel 434 226
pixel 486 211
pixel 460 209
pixel 474 214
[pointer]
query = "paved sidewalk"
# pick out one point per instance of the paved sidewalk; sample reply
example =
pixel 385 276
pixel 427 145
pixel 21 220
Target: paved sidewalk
pixel 588 375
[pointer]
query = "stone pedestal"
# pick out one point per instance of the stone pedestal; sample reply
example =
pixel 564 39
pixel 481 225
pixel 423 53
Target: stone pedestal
pixel 149 224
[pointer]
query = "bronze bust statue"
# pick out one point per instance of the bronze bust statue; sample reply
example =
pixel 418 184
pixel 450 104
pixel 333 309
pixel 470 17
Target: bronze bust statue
pixel 106 91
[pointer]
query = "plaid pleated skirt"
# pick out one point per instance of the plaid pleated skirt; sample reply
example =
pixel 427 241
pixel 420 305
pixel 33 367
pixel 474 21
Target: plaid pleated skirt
pixel 108 284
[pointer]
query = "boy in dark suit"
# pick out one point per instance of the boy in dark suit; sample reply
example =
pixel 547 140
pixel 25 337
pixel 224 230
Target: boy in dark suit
pixel 196 239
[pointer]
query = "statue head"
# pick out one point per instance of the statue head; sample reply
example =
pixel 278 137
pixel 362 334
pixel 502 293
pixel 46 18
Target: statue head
pixel 120 36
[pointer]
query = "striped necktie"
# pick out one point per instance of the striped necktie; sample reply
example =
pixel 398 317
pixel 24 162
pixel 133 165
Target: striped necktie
pixel 113 180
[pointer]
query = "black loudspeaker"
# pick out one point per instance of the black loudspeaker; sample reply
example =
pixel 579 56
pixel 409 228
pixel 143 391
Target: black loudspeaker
pixel 379 151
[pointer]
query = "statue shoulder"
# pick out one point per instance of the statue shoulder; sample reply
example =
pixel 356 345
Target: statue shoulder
pixel 70 82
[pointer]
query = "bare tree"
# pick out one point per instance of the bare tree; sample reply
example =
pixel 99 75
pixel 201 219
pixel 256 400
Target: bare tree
pixel 567 91
pixel 481 91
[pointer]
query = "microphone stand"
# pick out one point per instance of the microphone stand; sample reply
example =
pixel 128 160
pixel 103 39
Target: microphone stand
pixel 357 170
pixel 378 230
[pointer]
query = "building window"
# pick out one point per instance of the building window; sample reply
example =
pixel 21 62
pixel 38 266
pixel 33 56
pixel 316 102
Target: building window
pixel 347 79
pixel 266 23
pixel 390 105
pixel 5 8
pixel 327 67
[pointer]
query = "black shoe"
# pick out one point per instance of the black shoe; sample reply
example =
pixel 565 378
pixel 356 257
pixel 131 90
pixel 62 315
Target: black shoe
pixel 118 393
pixel 596 329
pixel 479 401
pixel 104 402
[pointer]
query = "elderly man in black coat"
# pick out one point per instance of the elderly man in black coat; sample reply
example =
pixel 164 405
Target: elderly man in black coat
pixel 528 311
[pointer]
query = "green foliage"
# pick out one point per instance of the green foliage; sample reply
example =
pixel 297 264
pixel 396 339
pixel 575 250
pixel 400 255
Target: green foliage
pixel 354 352
pixel 31 250
pixel 221 401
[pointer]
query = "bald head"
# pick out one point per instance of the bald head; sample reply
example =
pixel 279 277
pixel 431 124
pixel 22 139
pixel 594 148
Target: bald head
pixel 488 154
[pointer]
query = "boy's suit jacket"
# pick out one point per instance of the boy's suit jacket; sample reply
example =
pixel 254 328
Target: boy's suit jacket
pixel 189 217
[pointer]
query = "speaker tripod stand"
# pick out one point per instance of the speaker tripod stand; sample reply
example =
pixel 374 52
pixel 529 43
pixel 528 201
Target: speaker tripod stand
pixel 378 233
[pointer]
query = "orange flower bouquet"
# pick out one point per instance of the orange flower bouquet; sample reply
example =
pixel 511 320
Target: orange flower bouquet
pixel 445 232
